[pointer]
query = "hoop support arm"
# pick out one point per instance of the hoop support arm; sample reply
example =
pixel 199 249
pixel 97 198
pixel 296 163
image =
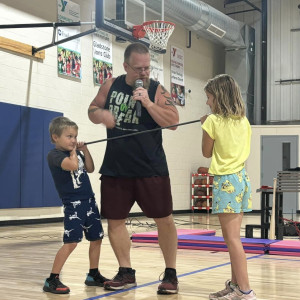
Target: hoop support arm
pixel 34 50
pixel 57 24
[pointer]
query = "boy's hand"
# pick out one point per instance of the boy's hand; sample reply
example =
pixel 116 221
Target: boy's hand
pixel 81 146
pixel 73 151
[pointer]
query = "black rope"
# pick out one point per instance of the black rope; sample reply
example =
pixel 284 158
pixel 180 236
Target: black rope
pixel 141 132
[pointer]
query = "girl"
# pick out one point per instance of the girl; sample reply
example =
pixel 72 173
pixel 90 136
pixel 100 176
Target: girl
pixel 226 139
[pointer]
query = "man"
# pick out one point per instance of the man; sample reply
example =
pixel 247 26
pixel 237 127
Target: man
pixel 135 168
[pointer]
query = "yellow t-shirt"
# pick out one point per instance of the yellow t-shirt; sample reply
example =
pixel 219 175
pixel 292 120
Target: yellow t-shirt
pixel 232 137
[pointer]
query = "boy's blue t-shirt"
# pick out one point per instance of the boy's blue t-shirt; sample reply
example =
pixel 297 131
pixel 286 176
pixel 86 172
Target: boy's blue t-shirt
pixel 70 185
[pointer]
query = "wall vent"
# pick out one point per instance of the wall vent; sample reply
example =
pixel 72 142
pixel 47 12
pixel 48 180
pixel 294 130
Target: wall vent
pixel 216 30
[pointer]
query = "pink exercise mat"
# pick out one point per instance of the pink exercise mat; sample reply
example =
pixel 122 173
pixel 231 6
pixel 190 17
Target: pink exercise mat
pixel 151 236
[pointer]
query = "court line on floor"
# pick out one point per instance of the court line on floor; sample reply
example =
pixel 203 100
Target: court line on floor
pixel 158 281
pixel 273 257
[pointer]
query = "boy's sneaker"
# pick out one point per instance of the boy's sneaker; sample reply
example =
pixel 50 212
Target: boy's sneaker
pixel 55 286
pixel 236 294
pixel 123 280
pixel 97 280
pixel 223 292
pixel 169 284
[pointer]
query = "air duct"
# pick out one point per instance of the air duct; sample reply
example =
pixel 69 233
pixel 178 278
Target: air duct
pixel 211 24
pixel 202 19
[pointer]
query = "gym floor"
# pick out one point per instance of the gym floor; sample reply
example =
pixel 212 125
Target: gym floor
pixel 27 254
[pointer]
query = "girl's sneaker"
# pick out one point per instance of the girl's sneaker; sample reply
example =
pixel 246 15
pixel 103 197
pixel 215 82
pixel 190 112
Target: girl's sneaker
pixel 236 294
pixel 223 292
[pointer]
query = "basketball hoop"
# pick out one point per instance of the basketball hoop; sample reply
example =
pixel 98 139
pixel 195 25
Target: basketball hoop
pixel 158 33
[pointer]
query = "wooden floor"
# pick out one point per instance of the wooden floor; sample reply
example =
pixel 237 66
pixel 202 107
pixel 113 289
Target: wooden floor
pixel 27 254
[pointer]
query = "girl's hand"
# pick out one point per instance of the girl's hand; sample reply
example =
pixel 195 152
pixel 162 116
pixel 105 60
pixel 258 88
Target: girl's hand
pixel 203 119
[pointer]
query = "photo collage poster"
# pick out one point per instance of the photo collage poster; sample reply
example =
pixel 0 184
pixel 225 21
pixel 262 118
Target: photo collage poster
pixel 68 53
pixel 102 57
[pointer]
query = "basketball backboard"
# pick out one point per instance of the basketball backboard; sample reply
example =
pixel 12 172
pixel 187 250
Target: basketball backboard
pixel 119 16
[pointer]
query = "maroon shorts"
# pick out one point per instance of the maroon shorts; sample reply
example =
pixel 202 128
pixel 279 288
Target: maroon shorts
pixel 152 194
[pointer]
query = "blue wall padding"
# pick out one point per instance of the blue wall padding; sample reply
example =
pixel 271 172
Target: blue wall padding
pixel 25 178
pixel 31 157
pixel 10 156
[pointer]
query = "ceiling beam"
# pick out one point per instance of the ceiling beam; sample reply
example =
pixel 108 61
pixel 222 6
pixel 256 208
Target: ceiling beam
pixel 226 2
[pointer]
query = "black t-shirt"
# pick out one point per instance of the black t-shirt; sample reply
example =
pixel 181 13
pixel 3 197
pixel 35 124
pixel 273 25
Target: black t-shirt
pixel 70 185
pixel 141 155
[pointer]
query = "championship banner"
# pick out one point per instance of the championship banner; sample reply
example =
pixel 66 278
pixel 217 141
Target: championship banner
pixel 156 63
pixel 177 76
pixel 68 53
pixel 102 57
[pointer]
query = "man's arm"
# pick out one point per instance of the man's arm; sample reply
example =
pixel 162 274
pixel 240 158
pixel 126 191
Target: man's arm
pixel 96 112
pixel 163 110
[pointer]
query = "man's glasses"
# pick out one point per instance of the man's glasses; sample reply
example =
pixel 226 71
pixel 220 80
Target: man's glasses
pixel 140 70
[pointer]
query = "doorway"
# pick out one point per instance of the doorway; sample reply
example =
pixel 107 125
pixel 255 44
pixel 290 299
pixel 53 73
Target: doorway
pixel 280 153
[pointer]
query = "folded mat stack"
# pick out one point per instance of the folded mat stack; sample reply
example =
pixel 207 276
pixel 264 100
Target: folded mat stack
pixel 285 247
pixel 205 240
pixel 152 236
pixel 217 243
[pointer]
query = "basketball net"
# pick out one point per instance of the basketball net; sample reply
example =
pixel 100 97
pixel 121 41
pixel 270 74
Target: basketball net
pixel 158 33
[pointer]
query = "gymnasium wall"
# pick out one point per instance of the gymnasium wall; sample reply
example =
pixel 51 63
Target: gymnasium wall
pixel 34 83
pixel 253 164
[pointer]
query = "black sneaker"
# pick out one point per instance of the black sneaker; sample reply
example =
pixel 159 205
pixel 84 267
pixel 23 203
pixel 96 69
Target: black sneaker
pixel 169 284
pixel 55 286
pixel 123 280
pixel 97 280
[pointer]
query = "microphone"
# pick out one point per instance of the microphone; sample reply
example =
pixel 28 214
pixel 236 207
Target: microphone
pixel 139 83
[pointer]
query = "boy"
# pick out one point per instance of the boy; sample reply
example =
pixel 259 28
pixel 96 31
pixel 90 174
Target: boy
pixel 69 169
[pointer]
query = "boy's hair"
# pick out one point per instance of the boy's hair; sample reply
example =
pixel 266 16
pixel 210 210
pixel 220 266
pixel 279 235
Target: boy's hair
pixel 58 124
pixel 228 100
pixel 135 47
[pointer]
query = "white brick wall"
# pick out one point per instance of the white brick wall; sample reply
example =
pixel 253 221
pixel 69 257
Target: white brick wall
pixel 31 82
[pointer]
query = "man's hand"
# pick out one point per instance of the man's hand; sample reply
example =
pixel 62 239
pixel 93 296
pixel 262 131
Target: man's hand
pixel 99 115
pixel 141 94
pixel 108 119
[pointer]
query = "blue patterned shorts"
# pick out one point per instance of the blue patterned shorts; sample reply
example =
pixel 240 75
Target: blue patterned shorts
pixel 232 193
pixel 82 216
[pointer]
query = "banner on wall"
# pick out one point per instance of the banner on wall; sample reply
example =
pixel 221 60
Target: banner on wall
pixel 68 53
pixel 102 57
pixel 156 63
pixel 177 76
